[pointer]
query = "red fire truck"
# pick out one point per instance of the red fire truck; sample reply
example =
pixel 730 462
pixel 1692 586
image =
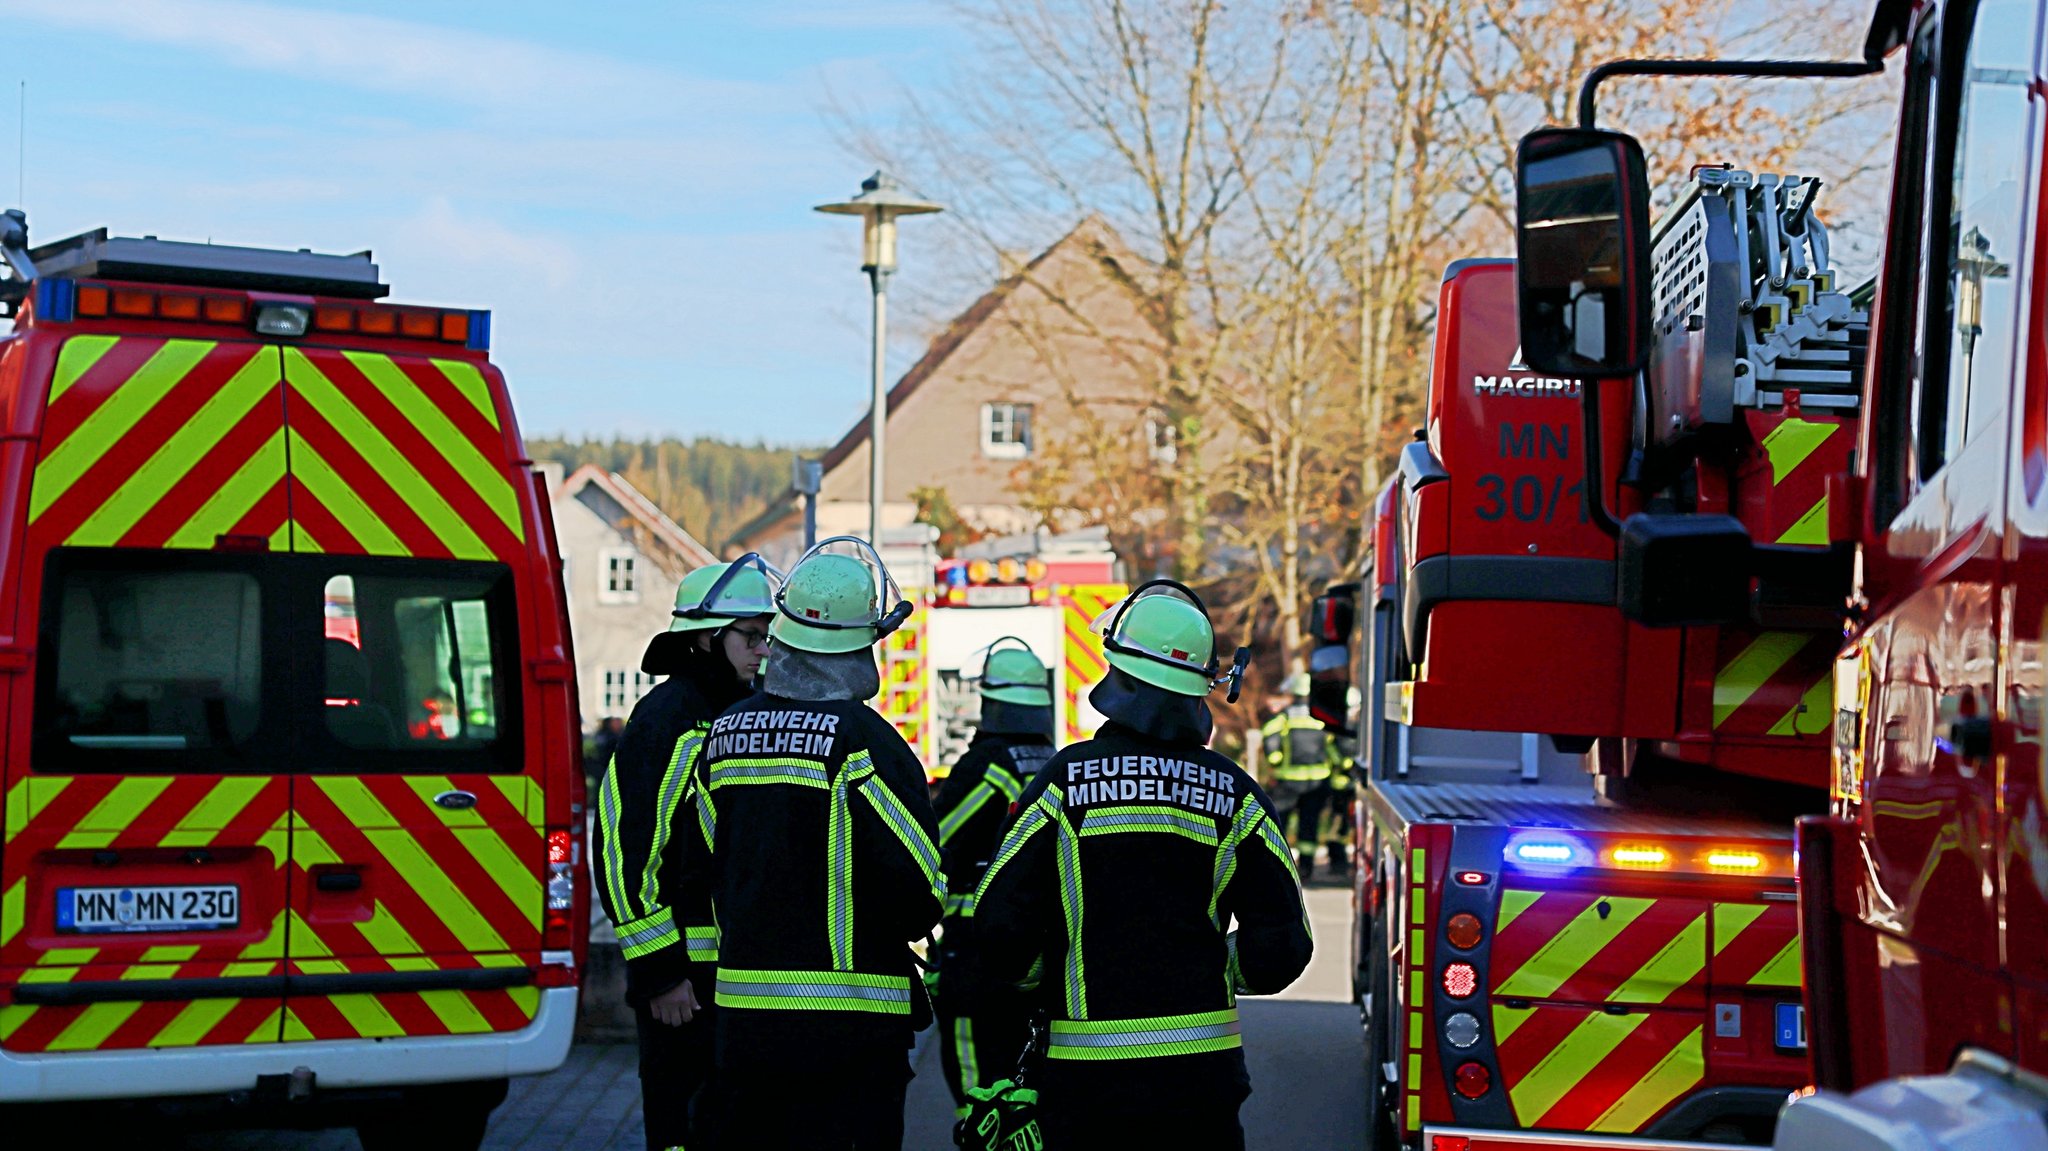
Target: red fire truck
pixel 1540 955
pixel 1924 888
pixel 292 805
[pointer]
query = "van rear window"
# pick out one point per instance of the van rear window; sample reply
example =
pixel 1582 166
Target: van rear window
pixel 158 660
pixel 155 661
pixel 410 662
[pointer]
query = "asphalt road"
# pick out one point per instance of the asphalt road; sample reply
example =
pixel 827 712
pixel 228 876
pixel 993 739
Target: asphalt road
pixel 1302 1045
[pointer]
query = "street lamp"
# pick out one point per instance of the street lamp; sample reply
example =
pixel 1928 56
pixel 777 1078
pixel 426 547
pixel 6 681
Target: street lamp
pixel 880 202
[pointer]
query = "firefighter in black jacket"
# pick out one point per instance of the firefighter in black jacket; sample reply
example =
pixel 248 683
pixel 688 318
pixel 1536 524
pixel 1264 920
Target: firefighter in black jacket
pixel 1130 856
pixel 818 846
pixel 982 1027
pixel 711 652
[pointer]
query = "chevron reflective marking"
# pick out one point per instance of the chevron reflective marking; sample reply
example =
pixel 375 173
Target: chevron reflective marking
pixel 1756 944
pixel 1085 663
pixel 160 443
pixel 13 911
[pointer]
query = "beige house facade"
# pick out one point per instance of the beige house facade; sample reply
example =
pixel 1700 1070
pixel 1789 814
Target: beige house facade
pixel 1064 337
pixel 621 561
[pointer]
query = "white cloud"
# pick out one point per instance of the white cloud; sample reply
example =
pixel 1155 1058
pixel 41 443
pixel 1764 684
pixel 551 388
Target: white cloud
pixel 386 55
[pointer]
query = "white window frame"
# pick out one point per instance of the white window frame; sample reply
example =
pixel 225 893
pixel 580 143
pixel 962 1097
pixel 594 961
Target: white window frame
pixel 623 688
pixel 607 589
pixel 999 419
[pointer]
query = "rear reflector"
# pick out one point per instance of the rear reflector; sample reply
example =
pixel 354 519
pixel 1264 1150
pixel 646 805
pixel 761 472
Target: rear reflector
pixel 1450 1143
pixel 555 975
pixel 1472 878
pixel 1473 1080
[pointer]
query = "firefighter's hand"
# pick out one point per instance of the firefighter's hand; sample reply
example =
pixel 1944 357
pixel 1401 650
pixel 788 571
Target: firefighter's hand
pixel 676 1006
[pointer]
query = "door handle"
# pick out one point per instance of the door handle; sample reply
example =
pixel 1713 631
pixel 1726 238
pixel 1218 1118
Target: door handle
pixel 339 881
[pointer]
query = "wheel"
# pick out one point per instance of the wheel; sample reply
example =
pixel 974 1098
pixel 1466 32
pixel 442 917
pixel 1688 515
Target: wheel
pixel 439 1117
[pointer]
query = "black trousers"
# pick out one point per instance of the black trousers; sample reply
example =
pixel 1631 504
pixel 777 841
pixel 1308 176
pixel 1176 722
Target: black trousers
pixel 676 1097
pixel 1303 800
pixel 809 1081
pixel 1182 1102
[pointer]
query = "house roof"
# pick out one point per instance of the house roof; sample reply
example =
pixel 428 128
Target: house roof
pixel 685 553
pixel 1092 231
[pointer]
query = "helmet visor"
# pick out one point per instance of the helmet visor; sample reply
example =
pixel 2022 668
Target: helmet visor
pixel 888 597
pixel 736 594
pixel 1109 622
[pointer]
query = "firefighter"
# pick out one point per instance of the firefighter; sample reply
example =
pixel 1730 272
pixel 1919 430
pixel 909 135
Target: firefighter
pixel 817 843
pixel 710 653
pixel 1299 759
pixel 1130 856
pixel 982 1027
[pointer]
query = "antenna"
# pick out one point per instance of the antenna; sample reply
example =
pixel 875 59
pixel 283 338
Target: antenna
pixel 21 148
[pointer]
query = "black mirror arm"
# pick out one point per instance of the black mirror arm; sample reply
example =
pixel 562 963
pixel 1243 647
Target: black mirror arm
pixel 1798 69
pixel 1595 494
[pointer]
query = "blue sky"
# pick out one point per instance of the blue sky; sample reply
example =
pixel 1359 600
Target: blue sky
pixel 626 184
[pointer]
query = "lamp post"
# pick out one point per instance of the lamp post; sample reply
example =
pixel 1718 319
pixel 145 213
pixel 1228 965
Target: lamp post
pixel 880 202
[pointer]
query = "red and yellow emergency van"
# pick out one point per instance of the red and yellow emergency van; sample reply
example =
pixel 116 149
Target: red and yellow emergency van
pixel 290 745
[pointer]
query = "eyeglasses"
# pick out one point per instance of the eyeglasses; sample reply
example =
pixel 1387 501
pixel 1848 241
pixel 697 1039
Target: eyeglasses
pixel 750 638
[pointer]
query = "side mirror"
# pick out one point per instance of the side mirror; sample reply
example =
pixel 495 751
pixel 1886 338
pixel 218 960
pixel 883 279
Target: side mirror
pixel 1684 570
pixel 1330 614
pixel 1582 238
pixel 1329 687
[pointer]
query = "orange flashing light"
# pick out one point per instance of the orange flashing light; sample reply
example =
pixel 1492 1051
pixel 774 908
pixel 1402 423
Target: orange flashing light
pixel 454 327
pixel 1034 570
pixel 419 325
pixel 225 309
pixel 377 322
pixel 1640 855
pixel 1736 861
pixel 92 301
pixel 134 303
pixel 977 571
pixel 334 319
pixel 178 307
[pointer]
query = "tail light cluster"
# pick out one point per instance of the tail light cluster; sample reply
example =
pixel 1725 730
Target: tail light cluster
pixel 558 924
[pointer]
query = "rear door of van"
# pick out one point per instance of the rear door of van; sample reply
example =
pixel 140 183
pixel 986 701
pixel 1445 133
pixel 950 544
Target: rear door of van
pixel 143 865
pixel 416 822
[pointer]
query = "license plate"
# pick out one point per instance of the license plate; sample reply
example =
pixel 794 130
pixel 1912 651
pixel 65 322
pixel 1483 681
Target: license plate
pixel 1791 1027
pixel 999 597
pixel 182 908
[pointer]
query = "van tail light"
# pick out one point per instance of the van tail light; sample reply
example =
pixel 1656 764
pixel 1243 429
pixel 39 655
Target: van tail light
pixel 559 919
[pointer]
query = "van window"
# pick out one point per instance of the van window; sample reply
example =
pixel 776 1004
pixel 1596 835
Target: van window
pixel 411 660
pixel 208 661
pixel 167 660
